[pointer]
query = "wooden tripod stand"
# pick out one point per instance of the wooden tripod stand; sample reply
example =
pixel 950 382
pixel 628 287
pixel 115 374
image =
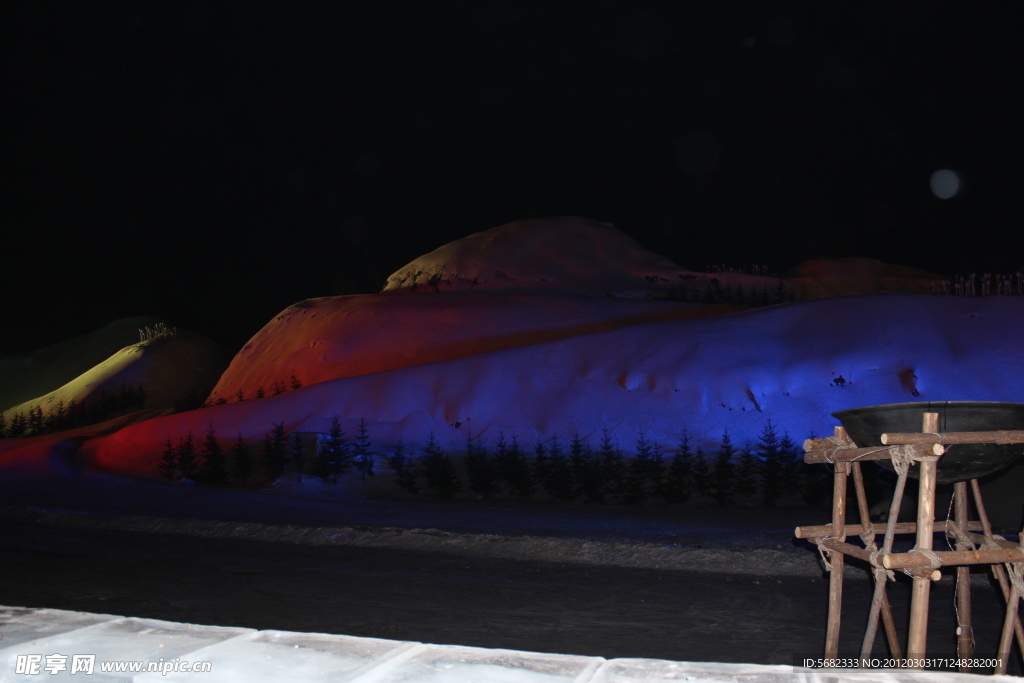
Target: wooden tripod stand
pixel 922 562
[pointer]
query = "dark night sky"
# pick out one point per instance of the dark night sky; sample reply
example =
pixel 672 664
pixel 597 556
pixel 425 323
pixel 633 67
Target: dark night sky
pixel 213 163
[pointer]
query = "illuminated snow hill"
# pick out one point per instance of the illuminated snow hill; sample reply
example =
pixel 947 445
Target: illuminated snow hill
pixel 30 375
pixel 170 370
pixel 589 257
pixel 522 283
pixel 795 363
pixel 568 253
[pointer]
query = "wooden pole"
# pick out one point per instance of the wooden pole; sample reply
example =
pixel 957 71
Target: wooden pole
pixel 997 569
pixel 918 639
pixel 834 544
pixel 998 540
pixel 1009 621
pixel 880 601
pixel 1007 635
pixel 887 541
pixel 836 559
pixel 964 627
pixel 915 438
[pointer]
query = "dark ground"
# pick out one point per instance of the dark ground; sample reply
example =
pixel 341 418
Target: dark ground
pixel 445 598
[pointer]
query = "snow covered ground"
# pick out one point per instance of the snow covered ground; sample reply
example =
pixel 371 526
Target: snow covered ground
pixel 45 637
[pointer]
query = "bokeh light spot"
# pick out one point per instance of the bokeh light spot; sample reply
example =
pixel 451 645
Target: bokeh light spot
pixel 945 183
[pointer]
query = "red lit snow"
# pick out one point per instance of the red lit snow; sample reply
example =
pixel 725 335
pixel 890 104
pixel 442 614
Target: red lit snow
pixel 345 336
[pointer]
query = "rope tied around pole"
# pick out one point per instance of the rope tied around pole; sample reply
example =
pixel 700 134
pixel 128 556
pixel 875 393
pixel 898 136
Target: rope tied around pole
pixel 834 444
pixel 906 455
pixel 963 541
pixel 1014 571
pixel 990 544
pixel 902 458
pixel 877 568
pixel 868 537
pixel 934 562
pixel 825 552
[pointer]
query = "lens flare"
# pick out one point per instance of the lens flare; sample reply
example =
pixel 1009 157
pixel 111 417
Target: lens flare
pixel 945 183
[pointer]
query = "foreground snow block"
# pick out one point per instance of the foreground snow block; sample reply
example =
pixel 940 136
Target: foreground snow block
pixel 282 656
pixel 114 640
pixel 20 627
pixel 456 664
pixel 246 656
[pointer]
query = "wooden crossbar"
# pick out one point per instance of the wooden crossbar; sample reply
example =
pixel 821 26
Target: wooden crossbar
pixel 953 558
pixel 825 530
pixel 814 457
pixel 918 438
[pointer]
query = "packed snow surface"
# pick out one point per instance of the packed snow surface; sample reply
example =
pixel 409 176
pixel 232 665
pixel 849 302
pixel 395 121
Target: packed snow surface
pixel 795 363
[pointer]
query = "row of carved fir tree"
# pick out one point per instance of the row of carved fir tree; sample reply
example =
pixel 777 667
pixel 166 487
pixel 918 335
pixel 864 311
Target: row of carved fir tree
pixel 767 472
pixel 61 416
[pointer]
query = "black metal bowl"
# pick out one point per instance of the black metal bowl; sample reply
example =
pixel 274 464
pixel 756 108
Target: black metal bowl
pixel 961 461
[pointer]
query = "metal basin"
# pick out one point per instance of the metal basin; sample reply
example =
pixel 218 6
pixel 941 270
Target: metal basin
pixel 961 461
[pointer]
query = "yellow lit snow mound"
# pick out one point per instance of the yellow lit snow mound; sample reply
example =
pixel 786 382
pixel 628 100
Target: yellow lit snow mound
pixel 171 371
pixel 570 254
pixel 36 373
